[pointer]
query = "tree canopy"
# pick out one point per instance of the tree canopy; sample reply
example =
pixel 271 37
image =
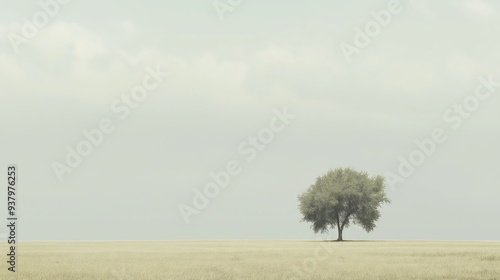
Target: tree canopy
pixel 343 197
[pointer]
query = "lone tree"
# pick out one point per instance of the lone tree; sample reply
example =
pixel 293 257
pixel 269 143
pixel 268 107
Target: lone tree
pixel 341 197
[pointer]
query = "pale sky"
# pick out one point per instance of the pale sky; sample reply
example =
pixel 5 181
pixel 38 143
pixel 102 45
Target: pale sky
pixel 226 79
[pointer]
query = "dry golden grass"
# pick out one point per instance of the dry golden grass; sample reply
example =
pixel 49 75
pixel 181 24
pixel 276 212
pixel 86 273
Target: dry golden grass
pixel 257 260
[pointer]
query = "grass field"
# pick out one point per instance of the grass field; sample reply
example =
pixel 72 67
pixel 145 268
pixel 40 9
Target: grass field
pixel 257 260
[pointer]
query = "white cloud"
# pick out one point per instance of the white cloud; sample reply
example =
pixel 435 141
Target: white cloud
pixel 463 67
pixel 71 61
pixel 9 69
pixel 480 8
pixel 422 6
pixel 275 55
pixel 129 27
pixel 61 38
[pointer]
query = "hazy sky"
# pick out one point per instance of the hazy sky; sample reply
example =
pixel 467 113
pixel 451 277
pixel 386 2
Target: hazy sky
pixel 226 79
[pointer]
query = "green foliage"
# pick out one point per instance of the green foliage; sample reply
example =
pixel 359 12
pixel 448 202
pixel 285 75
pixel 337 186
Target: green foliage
pixel 343 197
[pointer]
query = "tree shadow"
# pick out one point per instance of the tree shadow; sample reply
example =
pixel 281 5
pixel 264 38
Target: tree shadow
pixel 346 241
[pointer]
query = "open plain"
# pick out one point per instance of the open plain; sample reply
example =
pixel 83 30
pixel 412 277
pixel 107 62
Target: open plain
pixel 256 260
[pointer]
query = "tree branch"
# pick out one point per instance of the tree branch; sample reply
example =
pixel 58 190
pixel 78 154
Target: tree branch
pixel 346 219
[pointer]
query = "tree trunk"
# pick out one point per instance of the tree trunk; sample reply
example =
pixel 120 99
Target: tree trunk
pixel 340 234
